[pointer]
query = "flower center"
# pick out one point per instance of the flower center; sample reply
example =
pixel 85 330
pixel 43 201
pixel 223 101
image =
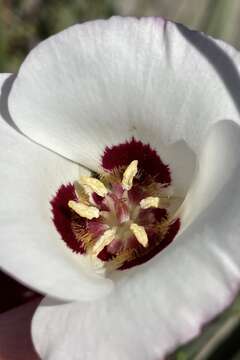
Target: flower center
pixel 123 218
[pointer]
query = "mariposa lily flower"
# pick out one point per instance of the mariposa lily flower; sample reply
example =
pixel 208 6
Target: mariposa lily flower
pixel 120 190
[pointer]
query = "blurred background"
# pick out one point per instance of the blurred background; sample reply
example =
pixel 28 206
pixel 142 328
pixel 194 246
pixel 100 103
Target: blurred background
pixel 23 23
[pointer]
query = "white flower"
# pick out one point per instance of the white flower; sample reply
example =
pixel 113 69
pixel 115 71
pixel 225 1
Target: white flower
pixel 94 86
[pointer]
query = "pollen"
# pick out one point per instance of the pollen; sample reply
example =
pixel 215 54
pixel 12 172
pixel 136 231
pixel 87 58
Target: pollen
pixel 104 240
pixel 140 234
pixel 88 212
pixel 149 202
pixel 94 185
pixel 129 175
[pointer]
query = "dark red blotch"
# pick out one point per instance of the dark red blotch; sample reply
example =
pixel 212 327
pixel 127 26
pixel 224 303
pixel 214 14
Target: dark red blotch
pixel 149 163
pixel 155 249
pixel 63 216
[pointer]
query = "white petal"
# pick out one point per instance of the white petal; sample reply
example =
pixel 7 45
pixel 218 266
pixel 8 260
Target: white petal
pixel 217 162
pixel 31 249
pixel 102 82
pixel 165 302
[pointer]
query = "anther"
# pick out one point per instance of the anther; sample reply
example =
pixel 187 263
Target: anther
pixel 148 202
pixel 140 234
pixel 103 241
pixel 94 185
pixel 129 174
pixel 81 193
pixel 88 212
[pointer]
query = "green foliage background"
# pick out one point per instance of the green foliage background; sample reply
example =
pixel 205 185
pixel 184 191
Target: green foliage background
pixel 23 23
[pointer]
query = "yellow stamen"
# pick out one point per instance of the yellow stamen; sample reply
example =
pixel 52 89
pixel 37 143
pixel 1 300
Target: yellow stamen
pixel 94 185
pixel 82 235
pixel 109 178
pixel 88 212
pixel 103 241
pixel 150 202
pixel 119 259
pixel 129 174
pixel 81 194
pixel 140 234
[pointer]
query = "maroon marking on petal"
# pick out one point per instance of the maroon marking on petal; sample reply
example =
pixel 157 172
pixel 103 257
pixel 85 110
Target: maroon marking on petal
pixel 121 209
pixel 63 217
pixel 132 243
pixel 104 255
pixel 96 228
pixel 114 247
pixel 151 216
pixel 136 194
pixel 99 201
pixel 118 190
pixel 149 163
pixel 170 235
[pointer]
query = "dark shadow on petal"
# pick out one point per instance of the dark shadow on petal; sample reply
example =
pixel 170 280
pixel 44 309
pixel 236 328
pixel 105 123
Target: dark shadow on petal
pixel 224 209
pixel 51 301
pixel 4 111
pixel 218 58
pixel 14 293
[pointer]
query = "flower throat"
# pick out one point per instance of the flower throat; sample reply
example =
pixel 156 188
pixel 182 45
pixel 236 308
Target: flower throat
pixel 121 218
